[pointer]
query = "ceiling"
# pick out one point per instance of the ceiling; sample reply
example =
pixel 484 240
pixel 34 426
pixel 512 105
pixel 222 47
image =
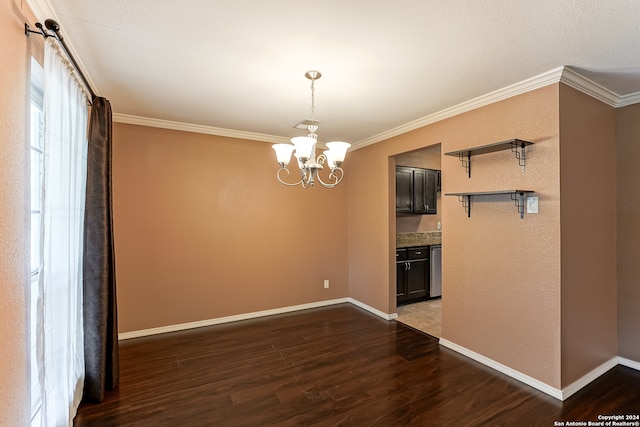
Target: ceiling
pixel 239 65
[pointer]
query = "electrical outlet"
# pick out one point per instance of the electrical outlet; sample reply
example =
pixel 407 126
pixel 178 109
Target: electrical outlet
pixel 532 204
pixel 326 283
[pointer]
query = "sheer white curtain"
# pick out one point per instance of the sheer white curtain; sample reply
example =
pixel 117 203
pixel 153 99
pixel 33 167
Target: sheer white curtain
pixel 60 347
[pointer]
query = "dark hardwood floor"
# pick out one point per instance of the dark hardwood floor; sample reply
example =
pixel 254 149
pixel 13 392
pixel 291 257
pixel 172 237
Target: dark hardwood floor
pixel 330 366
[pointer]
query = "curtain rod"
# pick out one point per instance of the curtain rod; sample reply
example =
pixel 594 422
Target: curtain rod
pixel 53 26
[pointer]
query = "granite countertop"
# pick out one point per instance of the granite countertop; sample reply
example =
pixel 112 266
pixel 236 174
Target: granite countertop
pixel 408 240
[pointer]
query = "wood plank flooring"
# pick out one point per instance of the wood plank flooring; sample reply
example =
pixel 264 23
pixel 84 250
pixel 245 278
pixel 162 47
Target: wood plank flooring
pixel 332 366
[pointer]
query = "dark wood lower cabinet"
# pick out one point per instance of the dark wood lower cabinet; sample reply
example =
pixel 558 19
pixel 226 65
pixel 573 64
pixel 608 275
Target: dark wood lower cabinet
pixel 412 274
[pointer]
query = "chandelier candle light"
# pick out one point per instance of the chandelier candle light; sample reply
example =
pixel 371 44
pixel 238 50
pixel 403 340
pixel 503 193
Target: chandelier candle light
pixel 305 152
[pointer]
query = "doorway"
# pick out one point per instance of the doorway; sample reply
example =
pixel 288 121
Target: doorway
pixel 415 230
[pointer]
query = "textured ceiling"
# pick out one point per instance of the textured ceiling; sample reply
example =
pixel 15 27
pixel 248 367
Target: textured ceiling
pixel 240 64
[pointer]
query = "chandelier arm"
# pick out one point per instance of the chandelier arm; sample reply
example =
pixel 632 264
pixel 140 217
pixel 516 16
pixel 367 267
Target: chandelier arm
pixel 306 180
pixel 287 183
pixel 333 176
pixel 340 172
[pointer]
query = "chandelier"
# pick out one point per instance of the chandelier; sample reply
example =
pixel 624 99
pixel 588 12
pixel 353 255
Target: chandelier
pixel 305 152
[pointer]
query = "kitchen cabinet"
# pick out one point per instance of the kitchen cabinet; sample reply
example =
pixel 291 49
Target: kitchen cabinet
pixel 416 190
pixel 404 190
pixel 412 274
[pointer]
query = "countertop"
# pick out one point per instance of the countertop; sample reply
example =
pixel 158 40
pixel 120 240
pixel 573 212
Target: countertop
pixel 409 240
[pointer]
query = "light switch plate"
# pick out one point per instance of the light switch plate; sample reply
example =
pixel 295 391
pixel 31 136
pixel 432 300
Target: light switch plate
pixel 532 204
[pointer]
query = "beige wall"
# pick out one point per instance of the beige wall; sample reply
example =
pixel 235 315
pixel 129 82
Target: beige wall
pixel 371 223
pixel 588 217
pixel 501 274
pixel 15 51
pixel 628 222
pixel 204 230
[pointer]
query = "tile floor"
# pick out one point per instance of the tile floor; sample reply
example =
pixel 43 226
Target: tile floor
pixel 423 316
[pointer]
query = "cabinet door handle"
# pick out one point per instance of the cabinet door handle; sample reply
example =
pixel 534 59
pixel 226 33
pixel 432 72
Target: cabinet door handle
pixel 408 265
pixel 419 253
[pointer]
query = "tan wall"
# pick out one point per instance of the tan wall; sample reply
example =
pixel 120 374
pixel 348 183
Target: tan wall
pixel 588 221
pixel 501 274
pixel 204 230
pixel 371 220
pixel 15 51
pixel 628 221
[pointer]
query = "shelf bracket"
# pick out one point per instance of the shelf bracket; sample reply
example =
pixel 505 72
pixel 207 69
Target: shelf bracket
pixel 466 204
pixel 465 160
pixel 519 199
pixel 518 196
pixel 517 147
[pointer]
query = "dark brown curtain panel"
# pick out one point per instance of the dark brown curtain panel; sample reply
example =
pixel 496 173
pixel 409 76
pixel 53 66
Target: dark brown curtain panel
pixel 100 308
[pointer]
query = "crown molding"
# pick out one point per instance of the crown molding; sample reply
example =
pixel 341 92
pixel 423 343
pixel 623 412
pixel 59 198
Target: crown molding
pixel 589 87
pixel 557 75
pixel 593 89
pixel 536 82
pixel 42 9
pixel 190 127
pixel 630 99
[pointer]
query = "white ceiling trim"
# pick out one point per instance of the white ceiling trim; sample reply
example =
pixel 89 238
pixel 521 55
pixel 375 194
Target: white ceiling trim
pixel 585 85
pixel 561 74
pixel 42 10
pixel 632 98
pixel 190 127
pixel 541 80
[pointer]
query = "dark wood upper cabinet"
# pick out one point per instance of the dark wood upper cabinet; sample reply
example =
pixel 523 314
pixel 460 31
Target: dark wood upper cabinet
pixel 416 190
pixel 404 190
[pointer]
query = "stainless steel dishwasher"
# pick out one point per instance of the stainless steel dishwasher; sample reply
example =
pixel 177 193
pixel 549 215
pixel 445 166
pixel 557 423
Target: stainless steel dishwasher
pixel 435 280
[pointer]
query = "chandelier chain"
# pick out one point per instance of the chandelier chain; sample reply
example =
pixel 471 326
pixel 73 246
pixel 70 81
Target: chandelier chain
pixel 313 105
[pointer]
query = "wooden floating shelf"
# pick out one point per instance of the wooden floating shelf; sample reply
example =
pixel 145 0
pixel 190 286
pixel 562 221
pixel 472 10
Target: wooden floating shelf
pixel 516 195
pixel 515 145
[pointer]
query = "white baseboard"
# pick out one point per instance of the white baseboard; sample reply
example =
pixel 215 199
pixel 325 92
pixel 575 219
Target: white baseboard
pixel 526 379
pixel 253 315
pixel 546 388
pixel 589 377
pixel 563 394
pixel 375 311
pixel 629 363
pixel 227 319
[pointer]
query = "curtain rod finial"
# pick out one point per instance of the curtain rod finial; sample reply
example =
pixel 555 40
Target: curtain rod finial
pixel 52 25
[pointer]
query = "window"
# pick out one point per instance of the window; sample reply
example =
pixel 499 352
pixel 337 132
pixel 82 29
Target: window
pixel 36 137
pixel 36 140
